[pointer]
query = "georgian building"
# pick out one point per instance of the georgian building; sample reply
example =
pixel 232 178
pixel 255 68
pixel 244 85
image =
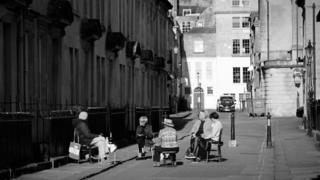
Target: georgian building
pixel 217 49
pixel 111 58
pixel 280 33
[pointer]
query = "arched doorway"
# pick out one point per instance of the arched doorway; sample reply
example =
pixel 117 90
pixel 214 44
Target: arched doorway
pixel 198 98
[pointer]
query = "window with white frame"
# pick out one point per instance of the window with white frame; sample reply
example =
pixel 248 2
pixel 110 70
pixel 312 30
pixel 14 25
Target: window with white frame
pixel 245 22
pixel 235 3
pixel 186 12
pixel 236 46
pixel 236 74
pixel 245 75
pixel 209 90
pixel 198 46
pixel 246 46
pixel 186 26
pixel 235 22
pixel 200 24
pixel 245 3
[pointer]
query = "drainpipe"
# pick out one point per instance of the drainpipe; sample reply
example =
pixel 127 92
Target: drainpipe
pixel 314 59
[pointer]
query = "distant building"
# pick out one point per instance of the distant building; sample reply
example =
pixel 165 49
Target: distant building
pixel 217 49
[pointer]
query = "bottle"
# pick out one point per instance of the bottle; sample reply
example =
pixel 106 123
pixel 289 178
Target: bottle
pixel 110 138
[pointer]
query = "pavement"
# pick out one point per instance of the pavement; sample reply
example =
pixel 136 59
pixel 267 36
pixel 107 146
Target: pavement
pixel 293 155
pixel 85 170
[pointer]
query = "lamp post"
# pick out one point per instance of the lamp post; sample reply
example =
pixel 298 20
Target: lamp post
pixel 199 95
pixel 297 78
pixel 176 51
pixel 309 54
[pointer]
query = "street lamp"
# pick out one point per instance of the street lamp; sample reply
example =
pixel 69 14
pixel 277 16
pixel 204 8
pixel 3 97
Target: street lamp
pixel 297 76
pixel 309 54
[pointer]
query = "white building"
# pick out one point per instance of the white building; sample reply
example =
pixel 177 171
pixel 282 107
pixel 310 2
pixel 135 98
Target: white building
pixel 217 51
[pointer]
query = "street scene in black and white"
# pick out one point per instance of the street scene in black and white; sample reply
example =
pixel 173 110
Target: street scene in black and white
pixel 159 89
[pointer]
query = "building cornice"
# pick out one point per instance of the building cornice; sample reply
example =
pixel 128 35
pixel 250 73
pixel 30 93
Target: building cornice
pixel 232 12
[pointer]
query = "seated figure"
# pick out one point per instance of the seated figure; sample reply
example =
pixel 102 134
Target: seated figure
pixel 197 143
pixel 88 138
pixel 144 135
pixel 166 141
pixel 212 127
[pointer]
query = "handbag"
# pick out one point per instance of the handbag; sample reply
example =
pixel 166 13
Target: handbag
pixel 74 147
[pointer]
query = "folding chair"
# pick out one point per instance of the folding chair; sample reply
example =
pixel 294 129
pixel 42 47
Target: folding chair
pixel 218 143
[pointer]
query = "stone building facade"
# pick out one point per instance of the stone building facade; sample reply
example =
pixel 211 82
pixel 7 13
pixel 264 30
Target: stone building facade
pixel 111 58
pixel 276 58
pixel 217 48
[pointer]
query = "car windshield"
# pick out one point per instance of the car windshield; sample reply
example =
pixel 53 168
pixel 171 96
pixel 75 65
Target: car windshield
pixel 226 100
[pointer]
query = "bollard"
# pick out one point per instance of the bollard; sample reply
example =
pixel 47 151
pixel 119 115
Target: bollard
pixel 269 141
pixel 233 141
pixel 232 127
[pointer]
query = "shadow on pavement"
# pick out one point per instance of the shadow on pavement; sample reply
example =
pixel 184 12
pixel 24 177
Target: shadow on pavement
pixel 144 158
pixel 180 123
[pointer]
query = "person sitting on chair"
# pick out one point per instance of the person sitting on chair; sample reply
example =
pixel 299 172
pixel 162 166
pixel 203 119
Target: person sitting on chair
pixel 144 135
pixel 196 149
pixel 166 141
pixel 212 127
pixel 90 139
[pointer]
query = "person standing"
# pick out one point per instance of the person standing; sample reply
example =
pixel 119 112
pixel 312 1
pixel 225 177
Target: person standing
pixel 144 135
pixel 167 141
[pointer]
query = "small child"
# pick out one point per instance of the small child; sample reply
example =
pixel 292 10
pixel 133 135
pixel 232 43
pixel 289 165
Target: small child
pixel 144 135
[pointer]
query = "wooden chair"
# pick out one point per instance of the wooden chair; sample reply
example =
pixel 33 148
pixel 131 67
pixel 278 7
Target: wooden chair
pixel 209 148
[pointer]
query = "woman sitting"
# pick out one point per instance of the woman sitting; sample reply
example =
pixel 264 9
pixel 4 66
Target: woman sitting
pixel 166 141
pixel 88 138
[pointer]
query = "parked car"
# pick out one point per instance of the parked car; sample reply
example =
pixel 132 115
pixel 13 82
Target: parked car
pixel 226 103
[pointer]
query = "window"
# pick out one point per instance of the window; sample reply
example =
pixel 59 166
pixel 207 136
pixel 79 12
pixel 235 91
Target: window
pixel 235 3
pixel 186 26
pixel 187 90
pixel 245 75
pixel 186 12
pixel 245 22
pixel 246 46
pixel 236 75
pixel 200 24
pixel 198 46
pixel 245 3
pixel 235 22
pixel 209 90
pixel 236 46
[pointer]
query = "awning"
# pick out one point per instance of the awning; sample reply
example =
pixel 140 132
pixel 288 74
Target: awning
pixel 90 29
pixel 133 49
pixel 60 11
pixel 115 41
pixel 146 56
pixel 160 62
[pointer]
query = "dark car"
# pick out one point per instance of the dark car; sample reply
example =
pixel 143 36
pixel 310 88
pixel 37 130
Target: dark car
pixel 226 104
